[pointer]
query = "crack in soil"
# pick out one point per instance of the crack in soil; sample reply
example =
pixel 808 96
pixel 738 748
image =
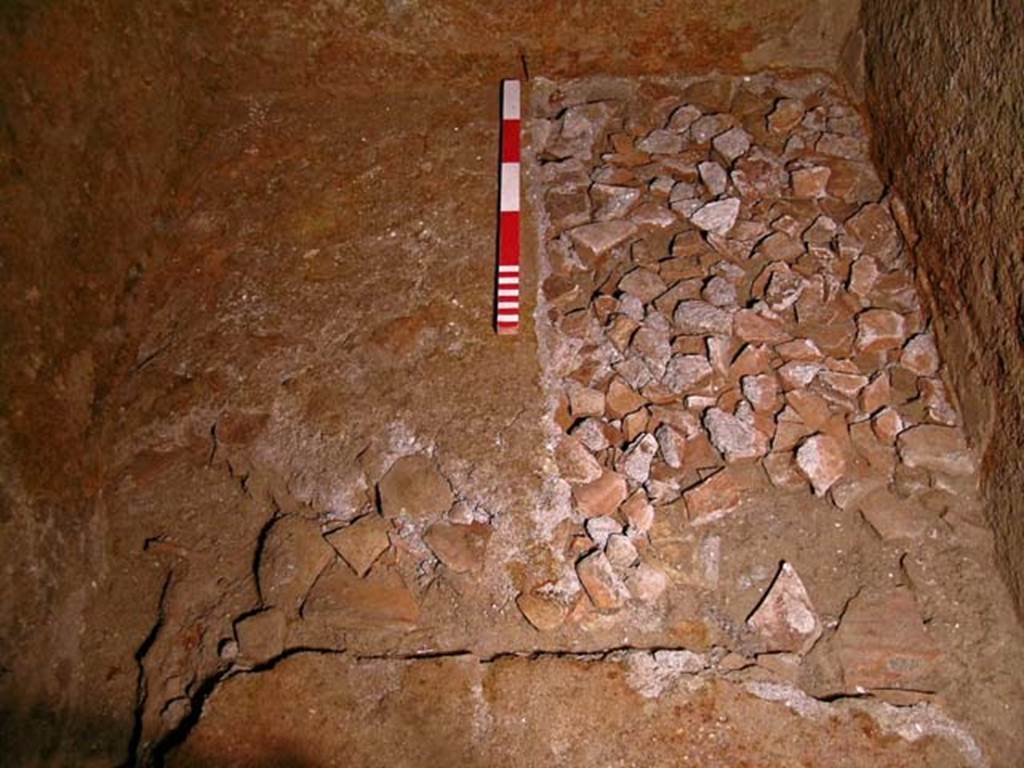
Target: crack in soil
pixel 909 722
pixel 178 735
pixel 133 757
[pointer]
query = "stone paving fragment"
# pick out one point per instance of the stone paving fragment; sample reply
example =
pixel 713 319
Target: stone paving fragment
pixel 544 613
pixel 636 462
pixel 575 463
pixel 718 217
pixel 785 618
pixel 621 552
pixel 652 215
pixel 883 643
pixel 620 331
pixel 874 227
pixel 706 127
pixel 683 117
pixel 822 231
pixel 810 182
pixel 879 455
pixel 361 542
pixel 292 556
pixel 821 460
pixel 713 176
pixel 639 512
pixel 786 115
pixel 894 518
pixel 653 345
pixel 887 424
pixel 876 394
pixel 937 449
pixel 848 384
pixel 462 548
pixel 590 432
pixel 642 283
pixel 920 355
pixel 758 175
pixel 732 144
pixel 621 399
pixel 568 208
pixel 754 327
pixel 753 359
pixel 602 236
pixel 661 142
pixel 632 428
pixel 646 583
pixel 798 374
pixel 600 497
pixel 799 350
pixel 736 436
pixel 600 528
pixel 782 471
pixel 613 202
pixel 684 372
pixel 584 401
pixel 671 445
pixel 720 292
pixel 580 127
pixel 784 288
pixel 880 329
pixel 761 391
pixel 809 408
pixel 863 276
pixel 700 317
pixel 413 487
pixel 342 601
pixel 940 409
pixel 717 495
pixel 603 586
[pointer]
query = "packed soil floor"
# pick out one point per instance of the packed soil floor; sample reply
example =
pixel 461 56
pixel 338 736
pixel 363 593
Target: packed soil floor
pixel 711 506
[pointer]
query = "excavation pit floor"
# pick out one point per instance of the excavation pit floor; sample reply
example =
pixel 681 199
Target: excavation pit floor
pixel 712 506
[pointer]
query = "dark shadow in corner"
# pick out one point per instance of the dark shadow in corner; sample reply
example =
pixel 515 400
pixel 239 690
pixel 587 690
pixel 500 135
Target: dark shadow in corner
pixel 32 734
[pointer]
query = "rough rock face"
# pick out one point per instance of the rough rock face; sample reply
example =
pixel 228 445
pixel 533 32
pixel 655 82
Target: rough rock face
pixel 965 254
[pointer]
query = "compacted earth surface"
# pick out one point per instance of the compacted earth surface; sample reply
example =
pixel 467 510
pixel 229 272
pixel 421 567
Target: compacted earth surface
pixel 712 506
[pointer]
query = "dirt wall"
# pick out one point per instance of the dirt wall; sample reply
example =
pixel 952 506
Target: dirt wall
pixel 94 99
pixel 402 42
pixel 944 89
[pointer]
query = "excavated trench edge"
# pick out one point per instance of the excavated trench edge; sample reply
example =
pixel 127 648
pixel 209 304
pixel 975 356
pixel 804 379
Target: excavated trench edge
pixel 909 722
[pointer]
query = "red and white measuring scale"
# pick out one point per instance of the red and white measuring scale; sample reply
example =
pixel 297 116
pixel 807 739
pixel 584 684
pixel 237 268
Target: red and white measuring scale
pixel 506 307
